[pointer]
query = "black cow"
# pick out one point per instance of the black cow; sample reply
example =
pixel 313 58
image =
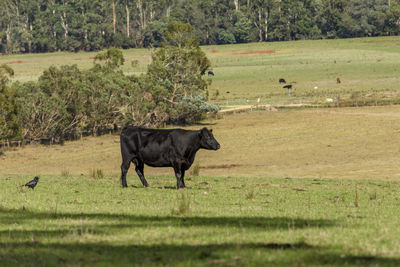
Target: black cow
pixel 281 80
pixel 210 73
pixel 288 86
pixel 174 148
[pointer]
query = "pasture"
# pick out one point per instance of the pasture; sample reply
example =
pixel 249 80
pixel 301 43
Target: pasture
pixel 297 187
pixel 248 206
pixel 84 221
pixel 368 69
pixel 352 143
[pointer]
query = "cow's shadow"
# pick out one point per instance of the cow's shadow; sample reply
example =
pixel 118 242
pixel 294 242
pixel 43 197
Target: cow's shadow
pixel 136 186
pixel 167 187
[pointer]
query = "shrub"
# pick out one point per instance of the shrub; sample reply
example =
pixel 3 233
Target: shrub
pixel 191 109
pixel 226 37
pixel 10 126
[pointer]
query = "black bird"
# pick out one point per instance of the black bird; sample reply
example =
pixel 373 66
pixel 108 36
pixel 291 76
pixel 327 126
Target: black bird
pixel 32 183
pixel 281 80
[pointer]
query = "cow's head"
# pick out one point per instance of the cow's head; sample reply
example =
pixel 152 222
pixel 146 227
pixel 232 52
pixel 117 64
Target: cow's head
pixel 207 140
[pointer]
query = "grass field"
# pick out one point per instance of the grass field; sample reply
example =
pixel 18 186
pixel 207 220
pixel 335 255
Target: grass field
pixel 294 187
pixel 79 220
pixel 367 67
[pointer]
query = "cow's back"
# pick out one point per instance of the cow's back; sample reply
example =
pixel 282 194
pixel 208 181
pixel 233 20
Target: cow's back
pixel 144 141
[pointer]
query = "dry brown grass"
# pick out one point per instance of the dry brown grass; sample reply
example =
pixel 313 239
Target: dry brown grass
pixel 359 143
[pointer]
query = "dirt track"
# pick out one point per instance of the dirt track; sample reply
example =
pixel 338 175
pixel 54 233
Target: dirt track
pixel 240 108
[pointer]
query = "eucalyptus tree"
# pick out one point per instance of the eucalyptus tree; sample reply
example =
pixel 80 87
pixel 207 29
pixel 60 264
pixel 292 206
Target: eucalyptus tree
pixel 179 67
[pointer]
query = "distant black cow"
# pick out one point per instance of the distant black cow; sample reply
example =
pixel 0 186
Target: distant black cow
pixel 210 73
pixel 288 86
pixel 281 80
pixel 174 148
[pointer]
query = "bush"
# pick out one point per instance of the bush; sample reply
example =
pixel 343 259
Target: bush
pixel 10 126
pixel 242 30
pixel 226 37
pixel 191 109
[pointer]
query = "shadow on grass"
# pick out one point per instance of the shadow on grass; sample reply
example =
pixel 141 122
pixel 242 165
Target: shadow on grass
pixel 68 241
pixel 10 216
pixel 255 254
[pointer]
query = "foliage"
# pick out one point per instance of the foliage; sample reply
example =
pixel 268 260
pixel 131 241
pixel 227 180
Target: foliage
pixel 66 102
pixel 189 110
pixel 112 59
pixel 178 66
pixel 53 106
pixel 242 30
pixel 47 26
pixel 10 127
pixel 226 37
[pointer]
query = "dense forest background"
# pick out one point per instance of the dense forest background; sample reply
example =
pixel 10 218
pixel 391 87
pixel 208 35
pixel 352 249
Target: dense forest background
pixel 86 25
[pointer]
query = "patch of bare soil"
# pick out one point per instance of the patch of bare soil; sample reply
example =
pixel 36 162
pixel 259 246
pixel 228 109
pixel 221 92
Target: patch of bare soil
pixel 257 52
pixel 268 107
pixel 15 62
pixel 80 58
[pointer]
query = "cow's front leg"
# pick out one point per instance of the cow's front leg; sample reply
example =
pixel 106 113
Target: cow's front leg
pixel 140 171
pixel 182 178
pixel 179 177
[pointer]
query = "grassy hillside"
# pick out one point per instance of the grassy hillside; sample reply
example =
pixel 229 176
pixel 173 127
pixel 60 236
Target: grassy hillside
pixel 367 67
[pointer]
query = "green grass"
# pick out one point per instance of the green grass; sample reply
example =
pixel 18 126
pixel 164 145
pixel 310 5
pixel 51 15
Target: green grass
pixel 367 67
pixel 78 220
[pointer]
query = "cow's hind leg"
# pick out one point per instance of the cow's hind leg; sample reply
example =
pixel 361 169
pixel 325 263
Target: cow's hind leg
pixel 124 170
pixel 140 171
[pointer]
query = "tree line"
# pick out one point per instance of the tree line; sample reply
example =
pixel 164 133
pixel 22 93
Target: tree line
pixel 89 25
pixel 66 102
